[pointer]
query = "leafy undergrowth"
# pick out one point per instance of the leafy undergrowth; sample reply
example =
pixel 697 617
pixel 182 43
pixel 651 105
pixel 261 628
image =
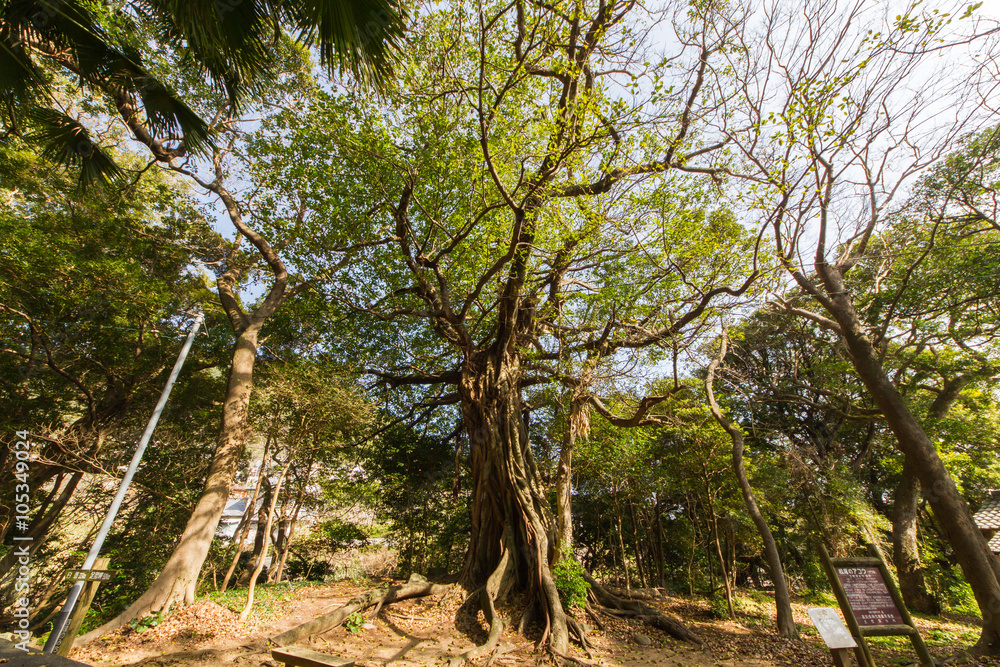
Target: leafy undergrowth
pixel 270 600
pixel 430 631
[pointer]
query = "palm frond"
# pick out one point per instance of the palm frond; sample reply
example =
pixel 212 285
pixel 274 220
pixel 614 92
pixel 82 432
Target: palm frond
pixel 168 115
pixel 361 36
pixel 67 142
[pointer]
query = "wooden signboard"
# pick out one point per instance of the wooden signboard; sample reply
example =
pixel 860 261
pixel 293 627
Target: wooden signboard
pixel 871 603
pixel 94 578
pixel 834 634
pixel 868 595
pixel 102 576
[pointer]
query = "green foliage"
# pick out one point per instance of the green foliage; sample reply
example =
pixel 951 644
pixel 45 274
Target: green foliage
pixel 355 622
pixel 270 600
pixel 339 535
pixel 140 625
pixel 718 606
pixel 572 587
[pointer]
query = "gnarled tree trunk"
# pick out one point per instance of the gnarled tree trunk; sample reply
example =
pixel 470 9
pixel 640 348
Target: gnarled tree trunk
pixel 512 529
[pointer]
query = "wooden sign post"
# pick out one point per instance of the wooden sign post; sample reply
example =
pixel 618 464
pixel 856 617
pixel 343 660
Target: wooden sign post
pixel 93 578
pixel 871 603
pixel 834 634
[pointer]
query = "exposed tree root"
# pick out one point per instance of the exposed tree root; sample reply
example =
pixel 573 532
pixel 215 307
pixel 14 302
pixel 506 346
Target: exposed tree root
pixel 594 617
pixel 571 658
pixel 417 586
pixel 638 610
pixel 498 581
pixel 579 633
pixel 636 593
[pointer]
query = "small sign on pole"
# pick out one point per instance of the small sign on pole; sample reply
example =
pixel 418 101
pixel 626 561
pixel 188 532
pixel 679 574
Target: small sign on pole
pixel 102 576
pixel 93 579
pixel 833 632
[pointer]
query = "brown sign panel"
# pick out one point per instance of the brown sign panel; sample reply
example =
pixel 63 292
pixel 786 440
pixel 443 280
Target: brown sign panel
pixel 868 595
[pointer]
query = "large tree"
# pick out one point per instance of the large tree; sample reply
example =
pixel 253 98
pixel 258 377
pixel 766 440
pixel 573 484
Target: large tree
pixel 549 201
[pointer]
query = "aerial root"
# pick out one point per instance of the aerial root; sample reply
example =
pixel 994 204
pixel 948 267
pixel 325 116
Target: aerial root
pixel 487 597
pixel 417 586
pixel 635 609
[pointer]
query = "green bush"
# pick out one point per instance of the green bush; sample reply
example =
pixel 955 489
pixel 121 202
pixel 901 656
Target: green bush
pixel 572 587
pixel 718 606
pixel 354 622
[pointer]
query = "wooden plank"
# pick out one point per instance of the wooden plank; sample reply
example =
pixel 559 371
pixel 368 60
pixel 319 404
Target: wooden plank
pixel 841 657
pixel 82 606
pixel 887 630
pixel 299 656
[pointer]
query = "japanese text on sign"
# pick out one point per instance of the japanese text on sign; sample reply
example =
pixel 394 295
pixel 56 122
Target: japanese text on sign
pixel 868 596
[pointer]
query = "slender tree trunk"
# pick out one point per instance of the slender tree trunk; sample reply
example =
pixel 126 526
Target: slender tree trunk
pixel 176 582
pixel 289 534
pixel 276 493
pixel 257 555
pixel 714 524
pixel 660 539
pixel 577 425
pixel 621 543
pixel 635 545
pixel 782 599
pixel 38 531
pixel 248 513
pixel 981 568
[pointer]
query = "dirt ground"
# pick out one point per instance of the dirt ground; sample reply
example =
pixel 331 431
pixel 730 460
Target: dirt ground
pixel 431 631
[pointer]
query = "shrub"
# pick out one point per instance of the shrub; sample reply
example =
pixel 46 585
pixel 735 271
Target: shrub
pixel 572 587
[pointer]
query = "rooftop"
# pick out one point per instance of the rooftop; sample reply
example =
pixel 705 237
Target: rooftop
pixel 988 516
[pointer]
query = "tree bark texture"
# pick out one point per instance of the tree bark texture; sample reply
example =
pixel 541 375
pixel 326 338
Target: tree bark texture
pixel 906 501
pixel 510 518
pixel 905 547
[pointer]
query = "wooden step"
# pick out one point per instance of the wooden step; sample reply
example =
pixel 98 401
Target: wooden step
pixel 299 656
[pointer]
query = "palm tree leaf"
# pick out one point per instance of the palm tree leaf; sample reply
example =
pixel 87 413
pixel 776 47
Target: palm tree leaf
pixel 168 115
pixel 67 142
pixel 20 78
pixel 227 40
pixel 362 36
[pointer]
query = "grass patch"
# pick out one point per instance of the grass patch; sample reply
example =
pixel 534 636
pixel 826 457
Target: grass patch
pixel 268 599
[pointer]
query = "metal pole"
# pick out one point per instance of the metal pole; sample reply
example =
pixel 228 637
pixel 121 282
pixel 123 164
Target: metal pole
pixel 62 621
